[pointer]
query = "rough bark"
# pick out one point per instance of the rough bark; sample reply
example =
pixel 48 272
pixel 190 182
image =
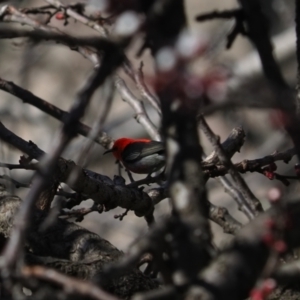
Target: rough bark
pixel 72 250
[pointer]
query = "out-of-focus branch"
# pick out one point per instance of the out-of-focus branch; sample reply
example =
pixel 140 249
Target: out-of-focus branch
pixel 69 284
pixel 62 250
pixel 259 35
pixel 191 238
pixel 16 183
pixel 217 214
pixel 235 271
pixel 9 13
pixel 20 166
pixel 143 245
pixel 107 94
pixel 297 21
pixel 287 273
pixel 248 78
pixel 47 167
pixel 12 14
pixel 27 97
pixel 136 75
pixel 225 14
pixel 258 32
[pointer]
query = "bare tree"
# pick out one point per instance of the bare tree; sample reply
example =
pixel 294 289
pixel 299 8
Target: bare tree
pixel 45 254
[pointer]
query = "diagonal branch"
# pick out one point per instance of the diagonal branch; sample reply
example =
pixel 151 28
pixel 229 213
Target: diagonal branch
pixel 249 204
pixel 137 105
pixel 52 110
pixel 69 284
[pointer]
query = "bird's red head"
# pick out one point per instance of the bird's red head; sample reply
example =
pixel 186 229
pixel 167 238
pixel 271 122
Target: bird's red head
pixel 121 144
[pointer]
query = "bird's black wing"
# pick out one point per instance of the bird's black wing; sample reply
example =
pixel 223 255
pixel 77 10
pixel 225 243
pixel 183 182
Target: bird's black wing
pixel 140 149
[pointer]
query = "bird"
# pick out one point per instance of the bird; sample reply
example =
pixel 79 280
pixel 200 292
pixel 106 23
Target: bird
pixel 141 156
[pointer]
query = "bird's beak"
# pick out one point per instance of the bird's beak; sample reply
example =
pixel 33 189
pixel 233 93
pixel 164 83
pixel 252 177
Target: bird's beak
pixel 107 151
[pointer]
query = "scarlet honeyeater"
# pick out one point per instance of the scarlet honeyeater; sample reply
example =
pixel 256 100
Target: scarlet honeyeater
pixel 141 156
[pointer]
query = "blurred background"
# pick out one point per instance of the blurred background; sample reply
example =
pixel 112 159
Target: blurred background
pixel 55 73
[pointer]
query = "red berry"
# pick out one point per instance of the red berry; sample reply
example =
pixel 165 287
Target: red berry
pixel 268 286
pixel 269 174
pixel 256 294
pixel 60 16
pixel 270 224
pixel 280 246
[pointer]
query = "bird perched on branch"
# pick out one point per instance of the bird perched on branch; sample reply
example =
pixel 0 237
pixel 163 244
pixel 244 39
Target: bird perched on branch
pixel 141 156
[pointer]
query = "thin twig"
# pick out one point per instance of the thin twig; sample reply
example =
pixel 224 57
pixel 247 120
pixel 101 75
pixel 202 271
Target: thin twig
pixel 52 110
pixel 144 91
pixel 137 105
pixel 80 18
pixel 9 13
pixel 233 191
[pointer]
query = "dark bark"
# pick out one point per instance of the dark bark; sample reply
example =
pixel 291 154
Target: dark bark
pixel 72 250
